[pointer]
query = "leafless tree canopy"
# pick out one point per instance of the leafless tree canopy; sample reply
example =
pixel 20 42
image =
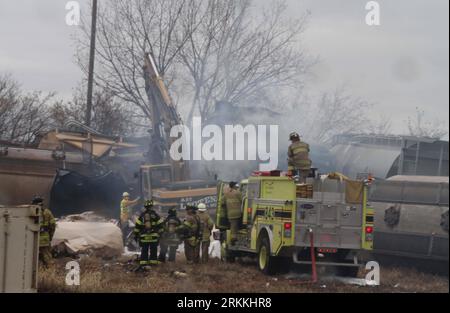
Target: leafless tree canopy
pixel 333 113
pixel 125 31
pixel 422 127
pixel 22 115
pixel 207 51
pixel 234 56
pixel 211 50
pixel 381 125
pixel 109 117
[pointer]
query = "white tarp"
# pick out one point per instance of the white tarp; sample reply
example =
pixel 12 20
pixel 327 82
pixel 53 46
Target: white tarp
pixel 102 238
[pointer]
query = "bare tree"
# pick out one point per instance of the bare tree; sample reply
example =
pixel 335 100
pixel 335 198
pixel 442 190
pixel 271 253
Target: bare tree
pixel 381 125
pixel 110 115
pixel 126 31
pixel 334 113
pixel 421 127
pixel 233 57
pixel 9 97
pixel 22 115
pixel 210 50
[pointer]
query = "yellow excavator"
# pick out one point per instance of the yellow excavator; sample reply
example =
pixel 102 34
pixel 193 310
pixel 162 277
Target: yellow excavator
pixel 164 180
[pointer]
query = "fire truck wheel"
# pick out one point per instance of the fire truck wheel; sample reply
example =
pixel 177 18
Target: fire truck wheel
pixel 266 262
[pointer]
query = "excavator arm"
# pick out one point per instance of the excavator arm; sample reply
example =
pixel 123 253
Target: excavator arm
pixel 164 117
pixel 164 114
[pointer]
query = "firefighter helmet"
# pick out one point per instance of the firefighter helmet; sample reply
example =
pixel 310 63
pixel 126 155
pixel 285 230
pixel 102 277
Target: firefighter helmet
pixel 172 212
pixel 233 185
pixel 148 204
pixel 190 207
pixel 294 136
pixel 37 200
pixel 202 207
pixel 125 194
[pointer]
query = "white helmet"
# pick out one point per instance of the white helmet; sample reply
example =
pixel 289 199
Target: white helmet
pixel 202 207
pixel 125 194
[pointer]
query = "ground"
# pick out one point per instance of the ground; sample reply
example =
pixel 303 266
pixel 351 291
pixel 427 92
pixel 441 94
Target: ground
pixel 118 276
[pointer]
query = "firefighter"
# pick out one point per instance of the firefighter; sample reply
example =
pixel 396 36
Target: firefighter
pixel 126 206
pixel 207 225
pixel 46 232
pixel 298 157
pixel 232 201
pixel 170 239
pixel 148 229
pixel 191 232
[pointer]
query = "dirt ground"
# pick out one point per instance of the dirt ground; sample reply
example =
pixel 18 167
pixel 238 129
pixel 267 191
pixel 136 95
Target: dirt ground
pixel 119 276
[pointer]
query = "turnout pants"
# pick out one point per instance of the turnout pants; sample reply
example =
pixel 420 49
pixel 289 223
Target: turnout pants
pixel 205 251
pixel 163 252
pixel 192 252
pixel 234 228
pixel 45 255
pixel 125 231
pixel 147 247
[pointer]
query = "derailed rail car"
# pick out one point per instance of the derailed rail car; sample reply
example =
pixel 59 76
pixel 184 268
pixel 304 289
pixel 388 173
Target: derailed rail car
pixel 411 217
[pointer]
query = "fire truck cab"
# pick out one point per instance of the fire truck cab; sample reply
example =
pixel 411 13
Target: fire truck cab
pixel 282 222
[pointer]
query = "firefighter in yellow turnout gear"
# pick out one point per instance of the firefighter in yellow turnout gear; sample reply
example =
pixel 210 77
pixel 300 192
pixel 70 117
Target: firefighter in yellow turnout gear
pixel 46 232
pixel 232 201
pixel 170 239
pixel 298 157
pixel 126 206
pixel 207 225
pixel 190 230
pixel 148 229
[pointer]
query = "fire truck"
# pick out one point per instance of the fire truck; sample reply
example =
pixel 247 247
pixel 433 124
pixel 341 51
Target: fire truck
pixel 325 222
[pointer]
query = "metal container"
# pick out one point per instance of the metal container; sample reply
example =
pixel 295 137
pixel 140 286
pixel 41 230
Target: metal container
pixel 19 248
pixel 411 217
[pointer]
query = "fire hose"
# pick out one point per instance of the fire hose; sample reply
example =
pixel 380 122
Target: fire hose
pixel 313 257
pixel 314 278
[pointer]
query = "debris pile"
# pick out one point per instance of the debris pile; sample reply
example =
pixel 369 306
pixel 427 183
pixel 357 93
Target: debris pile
pixel 87 234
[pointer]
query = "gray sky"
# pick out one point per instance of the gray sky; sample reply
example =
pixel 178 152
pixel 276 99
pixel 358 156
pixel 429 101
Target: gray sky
pixel 400 65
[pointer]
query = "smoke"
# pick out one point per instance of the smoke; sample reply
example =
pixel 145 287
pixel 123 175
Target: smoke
pixel 285 120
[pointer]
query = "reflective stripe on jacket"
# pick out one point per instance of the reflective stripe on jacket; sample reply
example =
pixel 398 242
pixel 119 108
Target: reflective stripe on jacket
pixel 191 226
pixel 148 228
pixel 298 154
pixel 206 224
pixel 170 236
pixel 47 228
pixel 125 210
pixel 232 199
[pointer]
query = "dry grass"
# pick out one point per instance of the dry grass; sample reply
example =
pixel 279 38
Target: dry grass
pixel 117 276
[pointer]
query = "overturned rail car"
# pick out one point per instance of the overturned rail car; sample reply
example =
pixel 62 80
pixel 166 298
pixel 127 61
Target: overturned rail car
pixel 62 167
pixel 411 217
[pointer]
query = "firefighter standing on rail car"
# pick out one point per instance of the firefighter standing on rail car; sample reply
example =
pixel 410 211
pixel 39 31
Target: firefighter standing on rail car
pixel 47 230
pixel 148 229
pixel 298 157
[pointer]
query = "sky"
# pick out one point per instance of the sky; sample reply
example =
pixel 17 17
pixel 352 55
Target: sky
pixel 399 65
